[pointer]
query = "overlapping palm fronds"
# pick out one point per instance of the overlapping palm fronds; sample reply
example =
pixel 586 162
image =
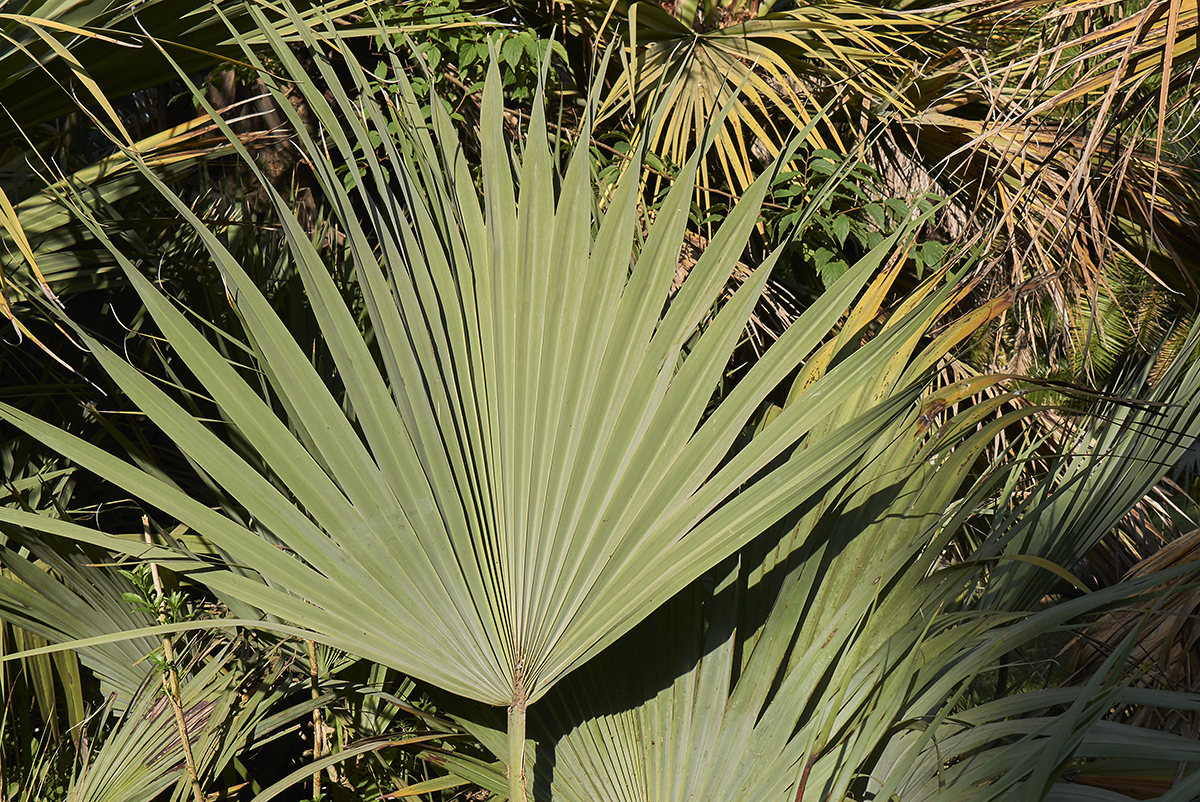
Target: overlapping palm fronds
pixel 52 683
pixel 1058 147
pixel 56 55
pixel 777 69
pixel 40 235
pixel 143 753
pixel 59 59
pixel 1048 123
pixel 844 656
pixel 59 593
pixel 54 591
pixel 1165 651
pixel 514 472
pixel 531 465
pixel 1103 474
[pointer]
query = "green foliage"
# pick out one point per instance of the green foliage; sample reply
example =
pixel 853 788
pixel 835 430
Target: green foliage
pixel 824 216
pixel 445 53
pixel 171 607
pixel 678 489
pixel 452 51
pixel 832 208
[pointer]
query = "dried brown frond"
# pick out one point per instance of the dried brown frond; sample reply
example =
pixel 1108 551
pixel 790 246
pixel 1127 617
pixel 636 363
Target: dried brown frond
pixel 1167 653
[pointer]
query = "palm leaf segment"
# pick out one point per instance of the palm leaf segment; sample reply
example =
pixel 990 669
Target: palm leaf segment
pixel 529 467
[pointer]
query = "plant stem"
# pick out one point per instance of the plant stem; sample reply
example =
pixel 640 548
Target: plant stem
pixel 171 676
pixel 804 776
pixel 171 684
pixel 318 730
pixel 516 738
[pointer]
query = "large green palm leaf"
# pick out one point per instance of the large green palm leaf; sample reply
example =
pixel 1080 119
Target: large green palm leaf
pixel 787 668
pixel 529 465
